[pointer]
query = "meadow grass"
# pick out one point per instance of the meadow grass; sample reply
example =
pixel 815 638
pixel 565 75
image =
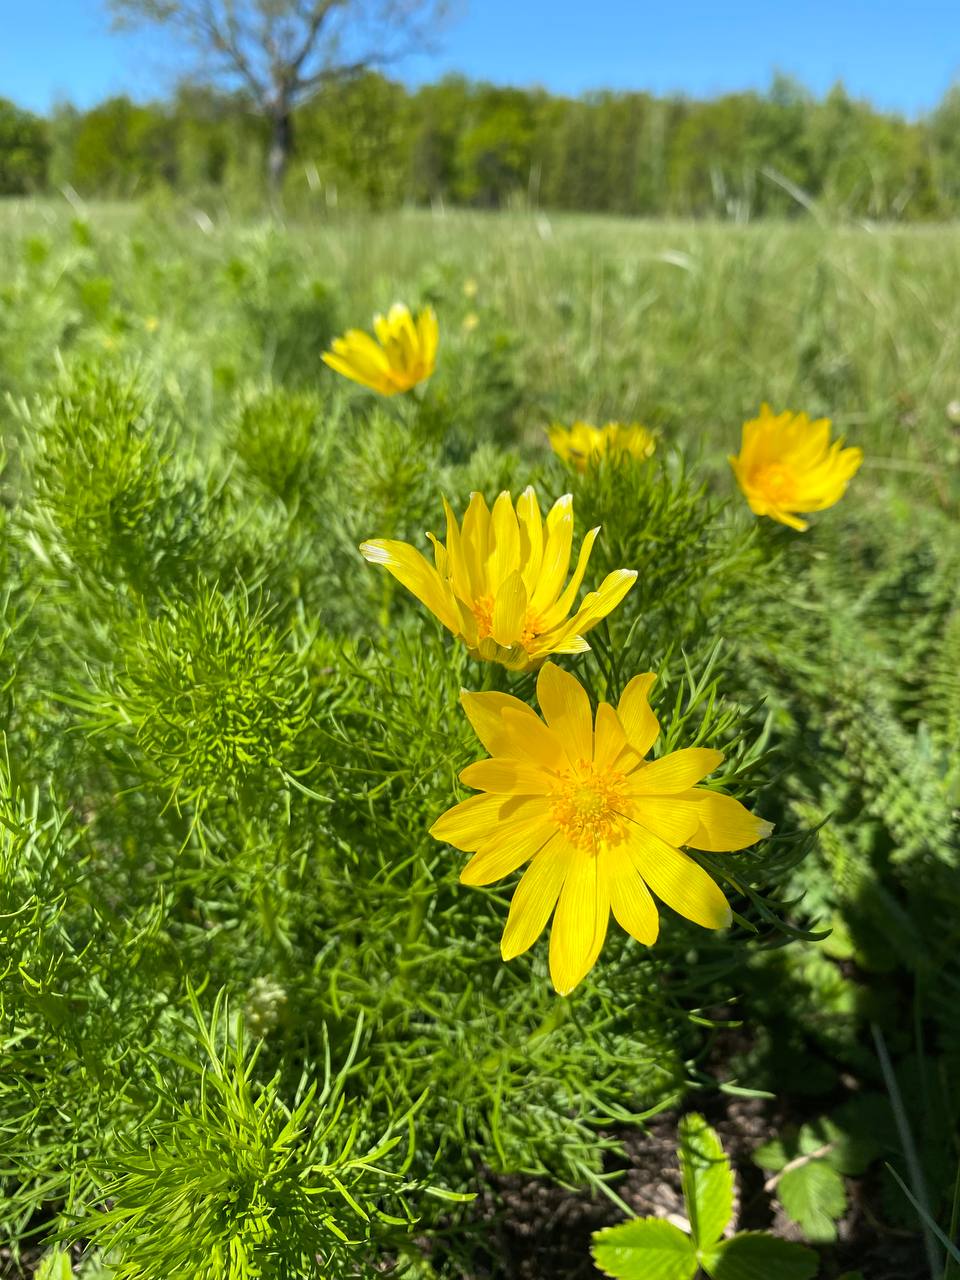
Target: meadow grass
pixel 227 735
pixel 686 324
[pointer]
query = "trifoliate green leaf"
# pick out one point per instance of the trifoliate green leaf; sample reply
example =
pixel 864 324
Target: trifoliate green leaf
pixel 755 1255
pixel 707 1180
pixel 814 1196
pixel 845 1151
pixel 645 1249
pixel 773 1155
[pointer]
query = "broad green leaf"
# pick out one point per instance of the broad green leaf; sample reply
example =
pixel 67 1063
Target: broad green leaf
pixel 645 1249
pixel 756 1255
pixel 707 1180
pixel 814 1196
pixel 848 1152
pixel 773 1155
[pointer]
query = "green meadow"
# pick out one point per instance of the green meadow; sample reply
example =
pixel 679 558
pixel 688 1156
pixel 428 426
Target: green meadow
pixel 251 1023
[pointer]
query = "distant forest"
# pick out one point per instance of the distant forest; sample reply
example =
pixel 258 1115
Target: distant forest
pixel 372 143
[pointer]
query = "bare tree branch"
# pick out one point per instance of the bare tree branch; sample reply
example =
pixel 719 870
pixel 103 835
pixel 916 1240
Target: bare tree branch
pixel 286 51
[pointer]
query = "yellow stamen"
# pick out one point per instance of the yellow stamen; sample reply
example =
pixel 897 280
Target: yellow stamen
pixel 586 807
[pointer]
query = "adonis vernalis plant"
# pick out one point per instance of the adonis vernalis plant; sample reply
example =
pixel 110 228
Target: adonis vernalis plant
pixel 602 825
pixel 582 444
pixel 498 582
pixel 403 354
pixel 787 466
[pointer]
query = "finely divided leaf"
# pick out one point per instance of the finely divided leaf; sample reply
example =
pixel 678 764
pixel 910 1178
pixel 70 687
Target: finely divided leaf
pixel 707 1180
pixel 759 1256
pixel 645 1249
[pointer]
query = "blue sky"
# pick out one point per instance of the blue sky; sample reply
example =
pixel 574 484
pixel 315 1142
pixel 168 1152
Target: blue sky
pixel 902 55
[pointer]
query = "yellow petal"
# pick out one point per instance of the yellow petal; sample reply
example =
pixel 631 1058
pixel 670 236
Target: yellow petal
pixel 538 743
pixel 419 577
pixel 610 741
pixel 520 835
pixel 509 610
pixel 676 772
pixel 429 335
pixel 556 641
pixel 677 880
pixel 633 908
pixel 724 825
pixel 475 538
pixel 566 709
pixel 531 538
pixel 556 554
pixel 468 823
pixel 597 604
pixel 507 777
pixel 580 924
pixel 440 557
pixel 557 612
pixel 504 558
pixel 459 570
pixel 536 896
pixel 639 723
pixel 359 367
pixel 669 817
pixel 485 710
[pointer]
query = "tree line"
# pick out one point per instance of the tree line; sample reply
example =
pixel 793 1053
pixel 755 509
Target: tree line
pixel 371 142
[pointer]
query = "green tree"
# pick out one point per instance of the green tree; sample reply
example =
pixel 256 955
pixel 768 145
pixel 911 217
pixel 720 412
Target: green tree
pixel 121 147
pixel 285 52
pixel 24 151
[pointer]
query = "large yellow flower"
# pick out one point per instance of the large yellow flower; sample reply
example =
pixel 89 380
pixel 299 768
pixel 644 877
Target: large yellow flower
pixel 498 583
pixel 602 825
pixel 404 354
pixel 787 465
pixel 583 444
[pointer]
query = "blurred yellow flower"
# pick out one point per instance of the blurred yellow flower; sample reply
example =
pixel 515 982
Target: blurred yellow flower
pixel 403 355
pixel 602 825
pixel 583 444
pixel 787 465
pixel 151 324
pixel 498 583
pixel 470 287
pixel 470 321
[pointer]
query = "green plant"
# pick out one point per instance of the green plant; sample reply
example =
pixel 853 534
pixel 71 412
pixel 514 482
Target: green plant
pixel 234 1183
pixel 655 1249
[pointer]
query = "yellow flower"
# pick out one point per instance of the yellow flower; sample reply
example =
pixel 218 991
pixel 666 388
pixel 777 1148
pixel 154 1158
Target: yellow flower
pixel 404 354
pixel 787 465
pixel 583 444
pixel 498 583
pixel 470 321
pixel 602 826
pixel 470 287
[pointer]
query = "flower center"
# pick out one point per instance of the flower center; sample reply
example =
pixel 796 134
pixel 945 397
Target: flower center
pixel 777 482
pixel 531 629
pixel 586 807
pixel 482 610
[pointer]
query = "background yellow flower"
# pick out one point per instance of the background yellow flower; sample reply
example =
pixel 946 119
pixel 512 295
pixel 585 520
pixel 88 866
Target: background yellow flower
pixel 787 465
pixel 498 583
pixel 602 826
pixel 403 354
pixel 583 444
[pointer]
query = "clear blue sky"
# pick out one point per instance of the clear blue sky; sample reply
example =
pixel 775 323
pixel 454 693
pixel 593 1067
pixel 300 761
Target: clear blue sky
pixel 902 54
